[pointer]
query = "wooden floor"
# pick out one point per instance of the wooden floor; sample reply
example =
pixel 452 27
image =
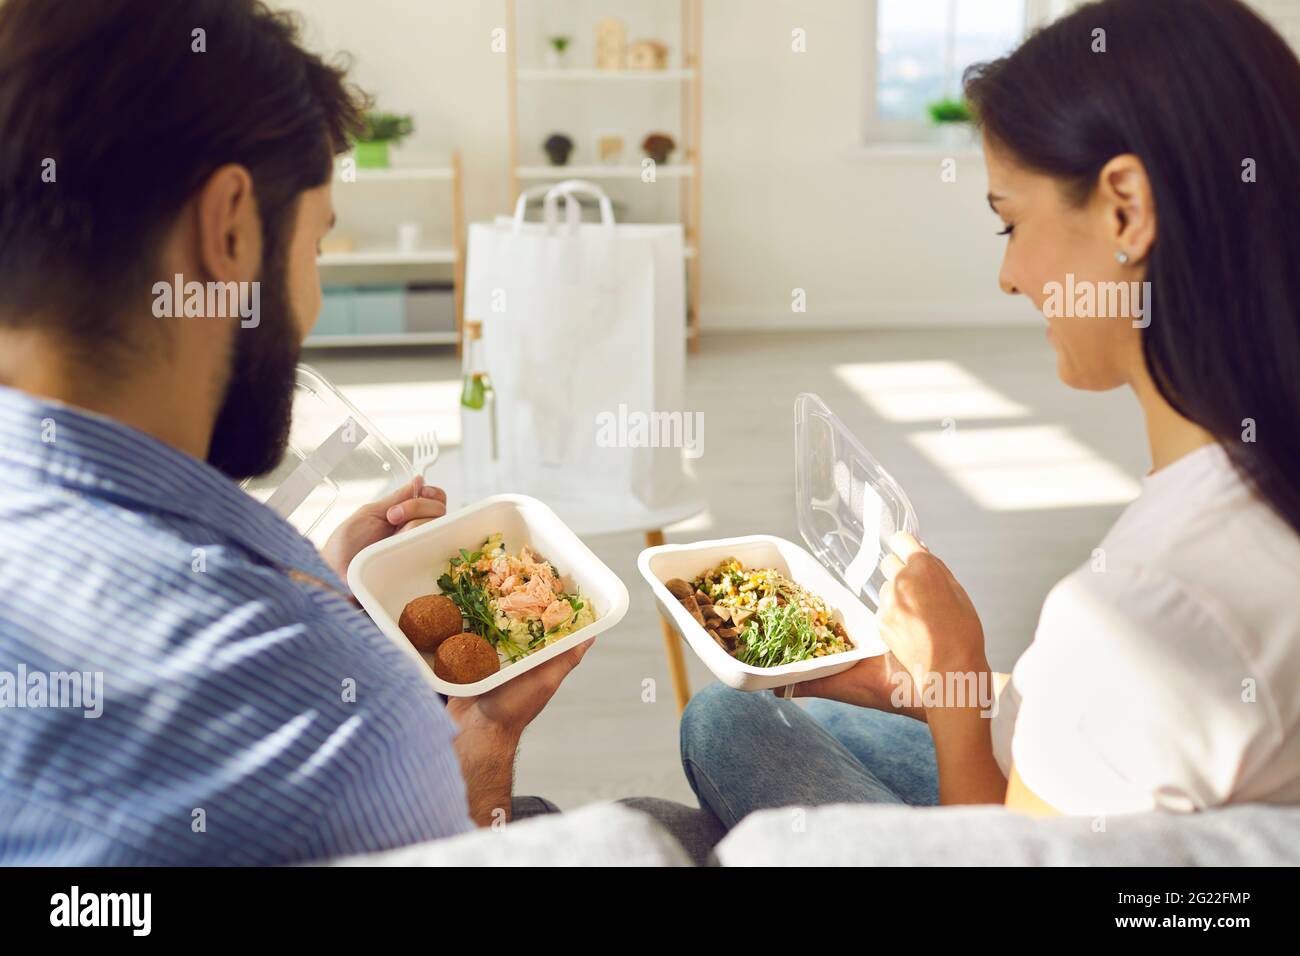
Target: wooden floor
pixel 1015 479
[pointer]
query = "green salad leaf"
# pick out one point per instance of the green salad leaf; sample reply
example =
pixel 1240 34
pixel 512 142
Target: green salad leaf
pixel 465 588
pixel 777 634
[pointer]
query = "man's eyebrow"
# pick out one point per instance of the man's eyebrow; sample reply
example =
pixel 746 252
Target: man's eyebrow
pixel 994 200
pixel 334 218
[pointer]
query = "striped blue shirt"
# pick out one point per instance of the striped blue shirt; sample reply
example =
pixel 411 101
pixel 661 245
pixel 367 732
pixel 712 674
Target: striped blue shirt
pixel 245 717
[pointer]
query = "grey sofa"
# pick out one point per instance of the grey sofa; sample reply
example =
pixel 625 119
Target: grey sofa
pixel 615 835
pixel 603 834
pixel 992 836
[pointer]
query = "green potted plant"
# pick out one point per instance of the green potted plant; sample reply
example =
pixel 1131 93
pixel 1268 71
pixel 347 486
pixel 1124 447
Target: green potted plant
pixel 381 130
pixel 556 47
pixel 952 117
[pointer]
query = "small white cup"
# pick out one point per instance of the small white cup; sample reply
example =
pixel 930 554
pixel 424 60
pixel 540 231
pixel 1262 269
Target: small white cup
pixel 408 237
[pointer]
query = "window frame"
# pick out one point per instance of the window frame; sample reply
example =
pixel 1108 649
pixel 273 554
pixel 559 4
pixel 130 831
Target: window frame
pixel 876 131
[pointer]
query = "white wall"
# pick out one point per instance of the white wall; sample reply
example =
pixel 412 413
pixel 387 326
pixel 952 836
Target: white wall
pixel 1284 14
pixel 429 58
pixel 790 199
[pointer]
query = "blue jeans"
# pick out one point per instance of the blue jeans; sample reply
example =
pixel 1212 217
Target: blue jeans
pixel 753 751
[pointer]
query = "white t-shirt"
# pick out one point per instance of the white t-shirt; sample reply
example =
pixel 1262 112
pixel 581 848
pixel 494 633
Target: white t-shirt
pixel 1165 672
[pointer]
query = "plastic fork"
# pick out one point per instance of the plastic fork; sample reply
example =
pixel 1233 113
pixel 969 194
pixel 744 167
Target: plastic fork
pixel 426 453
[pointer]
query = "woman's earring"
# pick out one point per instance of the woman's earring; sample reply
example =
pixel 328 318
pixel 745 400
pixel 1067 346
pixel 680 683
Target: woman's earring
pixel 1121 257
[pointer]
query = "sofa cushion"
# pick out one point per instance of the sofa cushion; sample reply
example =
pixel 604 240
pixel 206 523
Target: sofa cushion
pixel 597 835
pixel 856 835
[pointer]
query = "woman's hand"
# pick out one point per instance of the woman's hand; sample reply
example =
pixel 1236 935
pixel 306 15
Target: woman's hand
pixel 926 618
pixel 928 622
pixel 410 506
pixel 880 683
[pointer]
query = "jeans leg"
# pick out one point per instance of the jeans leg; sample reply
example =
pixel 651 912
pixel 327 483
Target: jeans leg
pixel 752 751
pixel 897 749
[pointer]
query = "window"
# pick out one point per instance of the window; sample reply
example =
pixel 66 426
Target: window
pixel 918 50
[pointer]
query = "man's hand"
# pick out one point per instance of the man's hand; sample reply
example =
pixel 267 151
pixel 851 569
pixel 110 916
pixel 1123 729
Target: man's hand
pixel 410 506
pixel 490 727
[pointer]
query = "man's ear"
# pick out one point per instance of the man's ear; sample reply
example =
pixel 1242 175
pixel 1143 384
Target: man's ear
pixel 229 228
pixel 1124 190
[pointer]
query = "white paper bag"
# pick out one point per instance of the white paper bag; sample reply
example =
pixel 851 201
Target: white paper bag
pixel 583 329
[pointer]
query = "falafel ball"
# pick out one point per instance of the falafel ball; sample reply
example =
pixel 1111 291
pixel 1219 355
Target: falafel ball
pixel 429 620
pixel 464 659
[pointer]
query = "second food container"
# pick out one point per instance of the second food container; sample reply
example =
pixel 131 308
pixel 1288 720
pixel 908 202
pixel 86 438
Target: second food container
pixel 847 508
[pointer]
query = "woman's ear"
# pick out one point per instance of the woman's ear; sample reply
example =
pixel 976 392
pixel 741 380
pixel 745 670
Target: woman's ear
pixel 1124 191
pixel 229 228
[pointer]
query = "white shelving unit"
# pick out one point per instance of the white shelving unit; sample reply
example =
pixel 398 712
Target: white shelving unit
pixel 409 174
pixel 371 341
pixel 551 75
pixel 598 171
pixel 387 257
pixel 334 266
pixel 685 175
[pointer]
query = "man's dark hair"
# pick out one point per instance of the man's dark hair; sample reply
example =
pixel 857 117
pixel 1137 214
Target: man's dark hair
pixel 113 112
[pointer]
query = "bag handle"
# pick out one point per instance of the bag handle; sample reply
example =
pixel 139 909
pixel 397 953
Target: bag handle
pixel 521 204
pixel 571 188
pixel 551 193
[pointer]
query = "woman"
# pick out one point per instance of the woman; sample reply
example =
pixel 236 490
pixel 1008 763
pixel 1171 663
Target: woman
pixel 1134 141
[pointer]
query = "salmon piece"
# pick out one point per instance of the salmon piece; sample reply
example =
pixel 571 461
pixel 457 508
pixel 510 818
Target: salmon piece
pixel 508 584
pixel 520 605
pixel 539 589
pixel 546 574
pixel 556 614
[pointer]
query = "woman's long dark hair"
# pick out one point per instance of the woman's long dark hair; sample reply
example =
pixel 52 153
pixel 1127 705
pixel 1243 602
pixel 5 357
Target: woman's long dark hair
pixel 1207 95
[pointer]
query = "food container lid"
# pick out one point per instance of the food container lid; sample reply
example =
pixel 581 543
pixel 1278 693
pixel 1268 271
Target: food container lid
pixel 847 505
pixel 336 461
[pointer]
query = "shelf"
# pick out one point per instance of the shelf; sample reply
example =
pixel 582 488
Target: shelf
pixel 683 79
pixel 386 257
pixel 369 341
pixel 597 171
pixel 399 174
pixel 617 76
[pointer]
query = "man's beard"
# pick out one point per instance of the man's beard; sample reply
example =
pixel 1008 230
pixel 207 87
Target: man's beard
pixel 252 427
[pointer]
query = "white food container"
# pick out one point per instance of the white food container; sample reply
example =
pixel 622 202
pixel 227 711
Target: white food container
pixel 847 507
pixel 386 576
pixel 687 561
